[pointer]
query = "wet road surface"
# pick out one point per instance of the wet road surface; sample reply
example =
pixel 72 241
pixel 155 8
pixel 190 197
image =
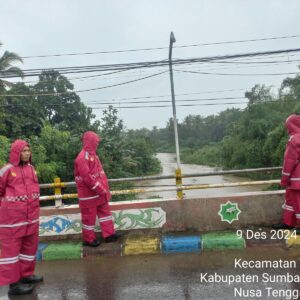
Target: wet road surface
pixel 172 276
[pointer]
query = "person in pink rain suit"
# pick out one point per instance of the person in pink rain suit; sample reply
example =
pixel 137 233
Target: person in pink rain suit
pixel 290 178
pixel 93 192
pixel 19 221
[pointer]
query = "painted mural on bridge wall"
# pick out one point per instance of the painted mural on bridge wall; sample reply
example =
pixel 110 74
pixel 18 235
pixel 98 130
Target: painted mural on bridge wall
pixel 153 217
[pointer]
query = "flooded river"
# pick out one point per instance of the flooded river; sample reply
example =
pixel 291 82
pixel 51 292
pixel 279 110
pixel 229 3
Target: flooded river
pixel 168 162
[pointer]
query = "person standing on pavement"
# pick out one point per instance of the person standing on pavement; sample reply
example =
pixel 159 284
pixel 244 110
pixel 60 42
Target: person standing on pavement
pixel 19 221
pixel 93 192
pixel 290 178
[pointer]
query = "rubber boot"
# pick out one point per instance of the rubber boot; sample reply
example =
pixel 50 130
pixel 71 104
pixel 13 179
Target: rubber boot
pixel 32 279
pixel 19 288
pixel 94 243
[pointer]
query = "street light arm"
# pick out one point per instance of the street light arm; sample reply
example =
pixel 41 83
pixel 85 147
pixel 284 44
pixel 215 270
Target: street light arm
pixel 172 40
pixel 172 37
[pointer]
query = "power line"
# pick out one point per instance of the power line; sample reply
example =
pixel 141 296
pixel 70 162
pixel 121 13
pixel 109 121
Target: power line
pixel 182 94
pixel 162 48
pixel 138 106
pixel 157 106
pixel 76 78
pixel 222 66
pixel 81 91
pixel 249 60
pixel 168 101
pixel 188 105
pixel 163 106
pixel 224 63
pixel 236 74
pixel 134 102
pixel 149 64
pixel 239 41
pixel 150 97
pixel 80 78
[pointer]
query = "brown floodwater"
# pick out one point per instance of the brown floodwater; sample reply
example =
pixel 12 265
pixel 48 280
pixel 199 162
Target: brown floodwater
pixel 168 162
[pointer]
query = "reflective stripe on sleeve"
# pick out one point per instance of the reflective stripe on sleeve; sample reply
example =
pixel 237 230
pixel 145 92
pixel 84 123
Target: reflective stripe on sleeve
pixel 4 169
pixel 95 185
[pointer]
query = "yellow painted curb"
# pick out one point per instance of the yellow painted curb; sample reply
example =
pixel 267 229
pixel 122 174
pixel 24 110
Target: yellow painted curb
pixel 141 245
pixel 292 241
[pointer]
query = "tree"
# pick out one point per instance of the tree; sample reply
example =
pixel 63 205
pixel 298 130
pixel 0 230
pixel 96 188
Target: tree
pixel 259 93
pixel 290 89
pixel 6 68
pixel 62 107
pixel 60 150
pixel 21 116
pixel 112 148
pixel 4 150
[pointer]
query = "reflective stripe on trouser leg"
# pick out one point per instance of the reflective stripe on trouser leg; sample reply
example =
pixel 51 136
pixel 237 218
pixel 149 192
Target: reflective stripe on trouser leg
pixel 288 216
pixel 105 220
pixel 88 219
pixel 28 254
pixel 9 260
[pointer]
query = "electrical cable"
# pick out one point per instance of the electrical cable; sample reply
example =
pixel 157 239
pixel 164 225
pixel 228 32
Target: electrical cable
pixel 81 91
pixel 237 74
pixel 188 105
pixel 150 64
pixel 162 48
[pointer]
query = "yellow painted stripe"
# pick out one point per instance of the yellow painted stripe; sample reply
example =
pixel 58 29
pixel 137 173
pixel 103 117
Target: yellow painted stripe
pixel 292 240
pixel 141 245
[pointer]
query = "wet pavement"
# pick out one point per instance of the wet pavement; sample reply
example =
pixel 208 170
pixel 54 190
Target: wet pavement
pixel 172 276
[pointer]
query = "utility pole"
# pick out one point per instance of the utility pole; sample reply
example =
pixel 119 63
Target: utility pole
pixel 178 170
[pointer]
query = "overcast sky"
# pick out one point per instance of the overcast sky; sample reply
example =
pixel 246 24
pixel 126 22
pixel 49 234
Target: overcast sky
pixel 35 27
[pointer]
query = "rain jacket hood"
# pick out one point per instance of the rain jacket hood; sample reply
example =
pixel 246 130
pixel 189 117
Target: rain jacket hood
pixel 90 142
pixel 15 152
pixel 292 124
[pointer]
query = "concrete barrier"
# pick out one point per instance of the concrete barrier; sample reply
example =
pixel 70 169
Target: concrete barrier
pixel 171 215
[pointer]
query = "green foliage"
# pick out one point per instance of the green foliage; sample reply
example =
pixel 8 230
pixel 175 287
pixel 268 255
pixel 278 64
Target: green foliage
pixel 207 155
pixel 235 139
pixel 125 154
pixel 53 153
pixel 52 118
pixel 194 132
pixel 22 115
pixel 7 61
pixel 65 109
pixel 4 149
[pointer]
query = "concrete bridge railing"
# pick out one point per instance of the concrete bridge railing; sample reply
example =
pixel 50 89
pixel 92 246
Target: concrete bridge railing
pixel 167 215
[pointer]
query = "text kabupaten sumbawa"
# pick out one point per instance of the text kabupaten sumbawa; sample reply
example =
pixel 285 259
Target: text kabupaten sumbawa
pixel 254 278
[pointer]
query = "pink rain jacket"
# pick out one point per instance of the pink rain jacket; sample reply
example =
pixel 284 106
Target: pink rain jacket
pixel 19 195
pixel 91 181
pixel 291 167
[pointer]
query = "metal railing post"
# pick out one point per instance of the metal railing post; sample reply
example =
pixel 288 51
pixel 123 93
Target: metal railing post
pixel 57 192
pixel 179 183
